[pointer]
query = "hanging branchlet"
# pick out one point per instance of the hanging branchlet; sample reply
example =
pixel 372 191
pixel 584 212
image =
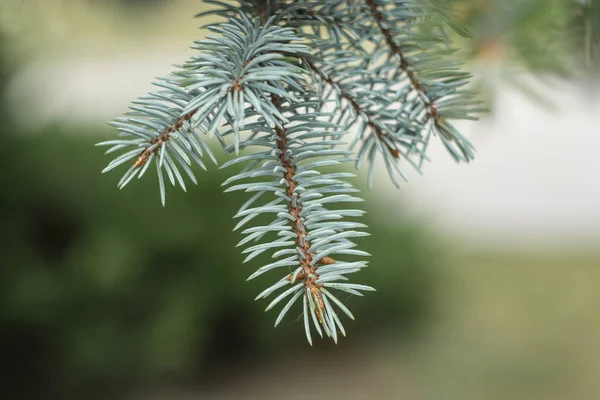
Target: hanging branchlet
pixel 244 65
pixel 157 129
pixel 289 88
pixel 417 84
pixel 380 111
pixel 437 84
pixel 305 236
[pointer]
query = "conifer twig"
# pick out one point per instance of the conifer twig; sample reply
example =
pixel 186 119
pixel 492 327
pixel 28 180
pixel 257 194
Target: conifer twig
pixel 248 85
pixel 418 86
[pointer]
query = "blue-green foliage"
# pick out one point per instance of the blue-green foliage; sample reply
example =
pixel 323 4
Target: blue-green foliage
pixel 305 227
pixel 292 83
pixel 169 126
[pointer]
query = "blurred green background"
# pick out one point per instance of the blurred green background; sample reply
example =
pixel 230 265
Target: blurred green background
pixel 104 294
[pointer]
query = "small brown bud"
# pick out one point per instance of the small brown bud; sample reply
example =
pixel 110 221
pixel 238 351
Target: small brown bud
pixel 142 158
pixel 327 261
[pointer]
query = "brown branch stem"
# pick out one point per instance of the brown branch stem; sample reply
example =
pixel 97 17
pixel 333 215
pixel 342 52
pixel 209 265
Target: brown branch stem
pixel 261 11
pixel 163 137
pixel 309 272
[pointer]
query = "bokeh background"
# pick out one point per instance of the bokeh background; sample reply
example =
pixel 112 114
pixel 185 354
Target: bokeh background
pixel 487 274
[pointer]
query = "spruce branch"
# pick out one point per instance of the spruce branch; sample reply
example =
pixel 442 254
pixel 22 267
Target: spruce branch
pixel 262 83
pixel 158 129
pixel 246 64
pixel 380 111
pixel 307 234
pixel 450 136
pixel 306 281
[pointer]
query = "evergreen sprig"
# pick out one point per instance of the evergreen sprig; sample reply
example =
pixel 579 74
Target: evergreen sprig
pixel 287 81
pixel 306 232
